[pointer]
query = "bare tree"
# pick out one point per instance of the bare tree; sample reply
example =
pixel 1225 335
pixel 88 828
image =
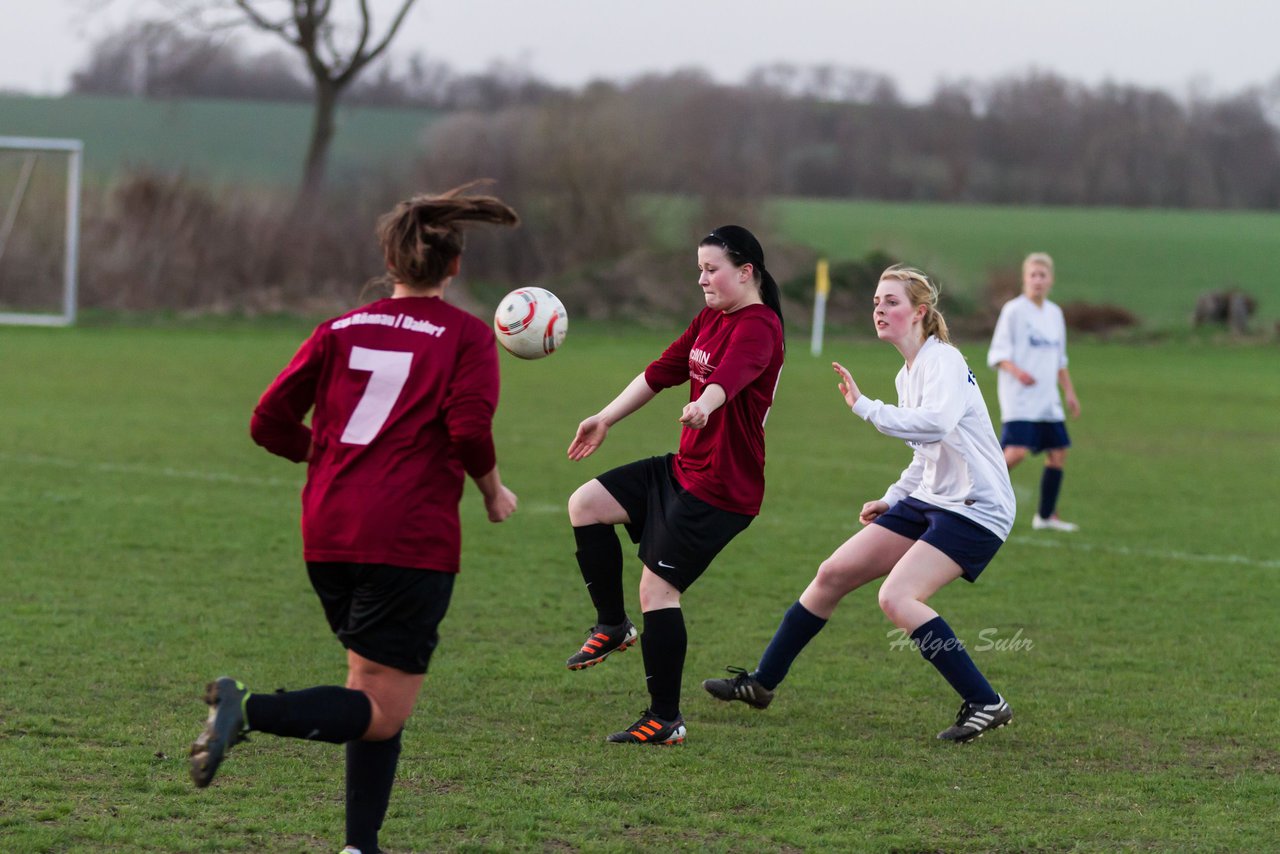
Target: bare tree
pixel 335 55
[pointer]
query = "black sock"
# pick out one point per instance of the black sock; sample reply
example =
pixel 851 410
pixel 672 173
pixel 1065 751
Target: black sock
pixel 941 648
pixel 327 713
pixel 371 770
pixel 1050 484
pixel 663 645
pixel 797 628
pixel 600 559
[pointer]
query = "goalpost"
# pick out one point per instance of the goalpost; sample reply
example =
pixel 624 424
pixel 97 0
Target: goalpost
pixel 39 230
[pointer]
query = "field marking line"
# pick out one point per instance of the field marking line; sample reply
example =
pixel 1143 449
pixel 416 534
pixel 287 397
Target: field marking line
pixel 538 508
pixel 148 471
pixel 1243 560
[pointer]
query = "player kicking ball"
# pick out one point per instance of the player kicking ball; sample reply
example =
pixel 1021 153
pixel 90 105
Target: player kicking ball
pixel 682 509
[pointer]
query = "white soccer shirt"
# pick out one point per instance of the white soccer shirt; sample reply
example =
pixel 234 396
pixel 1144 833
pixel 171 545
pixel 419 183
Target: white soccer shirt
pixel 957 464
pixel 1035 339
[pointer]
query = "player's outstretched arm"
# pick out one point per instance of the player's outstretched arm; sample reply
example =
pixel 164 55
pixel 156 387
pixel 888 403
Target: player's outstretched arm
pixel 590 435
pixel 847 386
pixel 592 430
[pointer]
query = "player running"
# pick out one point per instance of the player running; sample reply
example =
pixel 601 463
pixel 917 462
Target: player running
pixel 404 392
pixel 682 509
pixel 943 519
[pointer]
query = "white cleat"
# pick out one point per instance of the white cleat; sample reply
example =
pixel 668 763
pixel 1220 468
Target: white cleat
pixel 1053 523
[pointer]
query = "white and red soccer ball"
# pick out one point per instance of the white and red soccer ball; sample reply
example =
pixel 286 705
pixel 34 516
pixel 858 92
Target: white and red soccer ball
pixel 530 323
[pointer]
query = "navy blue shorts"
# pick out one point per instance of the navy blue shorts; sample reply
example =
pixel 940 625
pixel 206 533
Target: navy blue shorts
pixel 1036 435
pixel 679 534
pixel 963 540
pixel 387 614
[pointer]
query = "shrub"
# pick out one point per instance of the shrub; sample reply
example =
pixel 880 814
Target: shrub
pixel 1101 318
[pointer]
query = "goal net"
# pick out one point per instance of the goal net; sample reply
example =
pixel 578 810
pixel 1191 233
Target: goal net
pixel 39 230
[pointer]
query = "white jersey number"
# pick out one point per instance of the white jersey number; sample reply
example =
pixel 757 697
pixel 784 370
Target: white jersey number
pixel 390 371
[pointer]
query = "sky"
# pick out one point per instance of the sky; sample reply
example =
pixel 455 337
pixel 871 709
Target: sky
pixel 1211 47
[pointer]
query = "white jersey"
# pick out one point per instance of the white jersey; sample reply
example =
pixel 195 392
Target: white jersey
pixel 1033 337
pixel 957 464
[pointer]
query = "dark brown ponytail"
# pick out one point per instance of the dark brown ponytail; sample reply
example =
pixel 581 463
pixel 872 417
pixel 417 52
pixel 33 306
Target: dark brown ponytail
pixel 421 237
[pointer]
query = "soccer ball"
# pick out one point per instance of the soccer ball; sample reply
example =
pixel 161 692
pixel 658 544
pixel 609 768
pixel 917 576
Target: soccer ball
pixel 530 323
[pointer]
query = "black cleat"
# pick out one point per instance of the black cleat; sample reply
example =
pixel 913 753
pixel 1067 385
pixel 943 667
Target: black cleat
pixel 974 720
pixel 601 641
pixel 742 686
pixel 224 728
pixel 651 730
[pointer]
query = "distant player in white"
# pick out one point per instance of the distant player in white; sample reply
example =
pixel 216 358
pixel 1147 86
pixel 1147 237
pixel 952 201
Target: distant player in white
pixel 1029 349
pixel 943 519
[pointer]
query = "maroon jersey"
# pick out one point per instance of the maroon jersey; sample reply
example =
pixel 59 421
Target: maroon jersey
pixel 723 463
pixel 404 392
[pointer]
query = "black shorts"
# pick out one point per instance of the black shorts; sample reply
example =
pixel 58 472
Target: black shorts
pixel 679 534
pixel 963 540
pixel 1036 435
pixel 388 614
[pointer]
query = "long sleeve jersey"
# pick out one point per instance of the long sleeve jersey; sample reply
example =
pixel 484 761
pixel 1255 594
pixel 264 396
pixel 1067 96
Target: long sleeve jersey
pixel 1035 339
pixel 956 461
pixel 742 352
pixel 404 391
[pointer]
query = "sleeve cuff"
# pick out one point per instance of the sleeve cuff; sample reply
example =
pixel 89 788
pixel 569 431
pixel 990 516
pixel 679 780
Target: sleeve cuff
pixel 864 406
pixel 478 457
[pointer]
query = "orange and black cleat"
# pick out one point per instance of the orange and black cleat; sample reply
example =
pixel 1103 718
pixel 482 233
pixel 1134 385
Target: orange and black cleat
pixel 651 729
pixel 601 641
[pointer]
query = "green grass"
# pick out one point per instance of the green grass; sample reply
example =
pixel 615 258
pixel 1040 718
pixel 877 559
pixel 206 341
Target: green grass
pixel 1152 262
pixel 148 546
pixel 220 141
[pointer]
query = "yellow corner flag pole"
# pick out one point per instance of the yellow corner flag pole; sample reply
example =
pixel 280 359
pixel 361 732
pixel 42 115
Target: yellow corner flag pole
pixel 821 287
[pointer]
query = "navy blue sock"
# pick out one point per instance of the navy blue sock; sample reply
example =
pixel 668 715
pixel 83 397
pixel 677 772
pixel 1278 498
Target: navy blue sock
pixel 1050 484
pixel 327 713
pixel 600 560
pixel 371 769
pixel 941 648
pixel 798 627
pixel 663 645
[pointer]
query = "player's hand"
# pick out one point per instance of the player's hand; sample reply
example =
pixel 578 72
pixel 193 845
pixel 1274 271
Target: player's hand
pixel 1024 377
pixel 501 505
pixel 872 510
pixel 847 386
pixel 693 415
pixel 591 433
pixel 1073 405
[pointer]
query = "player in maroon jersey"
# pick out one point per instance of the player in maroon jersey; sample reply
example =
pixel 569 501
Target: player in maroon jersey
pixel 683 508
pixel 403 393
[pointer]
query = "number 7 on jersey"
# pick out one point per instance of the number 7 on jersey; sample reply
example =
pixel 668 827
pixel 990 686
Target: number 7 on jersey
pixel 390 371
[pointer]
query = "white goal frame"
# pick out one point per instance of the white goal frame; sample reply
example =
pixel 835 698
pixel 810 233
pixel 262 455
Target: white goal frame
pixel 74 150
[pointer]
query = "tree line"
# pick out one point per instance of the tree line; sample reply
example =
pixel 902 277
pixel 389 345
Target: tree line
pixel 1035 138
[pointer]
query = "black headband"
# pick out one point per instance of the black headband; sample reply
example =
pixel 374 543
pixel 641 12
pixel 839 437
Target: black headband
pixel 741 242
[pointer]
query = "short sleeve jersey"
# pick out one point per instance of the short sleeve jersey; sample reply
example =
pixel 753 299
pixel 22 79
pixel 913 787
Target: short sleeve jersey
pixel 404 391
pixel 1033 337
pixel 742 352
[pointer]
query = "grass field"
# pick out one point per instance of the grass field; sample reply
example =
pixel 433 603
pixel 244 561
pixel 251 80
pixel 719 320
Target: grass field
pixel 1153 262
pixel 215 140
pixel 146 546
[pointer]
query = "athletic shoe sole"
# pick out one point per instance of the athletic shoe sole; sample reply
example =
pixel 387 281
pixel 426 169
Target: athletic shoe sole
pixel 978 735
pixel 223 729
pixel 629 642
